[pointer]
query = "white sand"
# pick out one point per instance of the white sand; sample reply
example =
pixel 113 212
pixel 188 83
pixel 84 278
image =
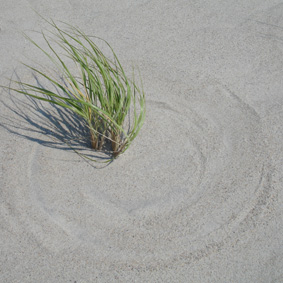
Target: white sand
pixel 198 196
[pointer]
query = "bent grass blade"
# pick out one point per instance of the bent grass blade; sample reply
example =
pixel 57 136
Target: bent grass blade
pixel 101 95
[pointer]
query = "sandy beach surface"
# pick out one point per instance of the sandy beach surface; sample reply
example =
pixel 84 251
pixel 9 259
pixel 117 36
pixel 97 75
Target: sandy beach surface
pixel 197 197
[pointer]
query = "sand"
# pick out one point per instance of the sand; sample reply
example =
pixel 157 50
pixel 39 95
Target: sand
pixel 198 195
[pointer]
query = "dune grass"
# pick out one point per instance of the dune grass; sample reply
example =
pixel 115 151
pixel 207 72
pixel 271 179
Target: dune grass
pixel 99 91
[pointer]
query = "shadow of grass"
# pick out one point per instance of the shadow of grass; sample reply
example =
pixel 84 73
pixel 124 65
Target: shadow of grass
pixel 48 125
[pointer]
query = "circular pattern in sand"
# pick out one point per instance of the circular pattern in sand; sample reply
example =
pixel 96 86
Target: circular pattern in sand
pixel 196 174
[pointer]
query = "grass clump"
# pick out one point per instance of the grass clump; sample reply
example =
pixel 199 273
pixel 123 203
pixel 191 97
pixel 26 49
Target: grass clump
pixel 99 92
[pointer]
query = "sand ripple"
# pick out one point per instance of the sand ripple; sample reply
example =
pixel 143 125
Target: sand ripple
pixel 195 179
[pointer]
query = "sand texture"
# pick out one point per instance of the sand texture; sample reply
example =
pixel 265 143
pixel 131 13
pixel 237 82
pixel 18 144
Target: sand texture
pixel 197 197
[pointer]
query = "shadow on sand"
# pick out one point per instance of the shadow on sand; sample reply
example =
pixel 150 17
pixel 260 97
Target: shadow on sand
pixel 49 125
